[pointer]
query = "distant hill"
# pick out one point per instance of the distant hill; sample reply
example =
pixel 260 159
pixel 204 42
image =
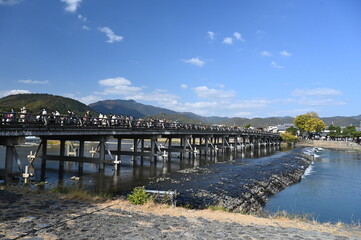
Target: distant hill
pixel 343 121
pixel 34 102
pixel 138 110
pixel 128 107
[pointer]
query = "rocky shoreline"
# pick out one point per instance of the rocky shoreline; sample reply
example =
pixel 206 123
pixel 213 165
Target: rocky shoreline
pixel 240 186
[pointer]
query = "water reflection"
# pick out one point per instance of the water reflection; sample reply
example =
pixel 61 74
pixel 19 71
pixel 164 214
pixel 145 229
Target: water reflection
pixel 132 172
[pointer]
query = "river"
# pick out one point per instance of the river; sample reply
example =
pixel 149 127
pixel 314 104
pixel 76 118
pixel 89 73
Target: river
pixel 131 174
pixel 330 189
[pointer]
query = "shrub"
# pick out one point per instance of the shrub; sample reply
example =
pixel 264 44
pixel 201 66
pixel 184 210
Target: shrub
pixel 139 196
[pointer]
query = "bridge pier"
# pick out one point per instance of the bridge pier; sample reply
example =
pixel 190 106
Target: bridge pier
pixel 152 150
pixel 81 155
pixel 44 144
pixel 62 154
pixel 9 160
pixel 142 149
pixel 101 155
pixel 119 147
pixel 10 155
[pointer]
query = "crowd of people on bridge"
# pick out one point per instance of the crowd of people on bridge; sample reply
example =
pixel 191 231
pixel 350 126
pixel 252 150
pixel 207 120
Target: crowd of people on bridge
pixel 54 118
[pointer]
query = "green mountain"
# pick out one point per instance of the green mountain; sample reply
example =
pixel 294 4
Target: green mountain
pixel 128 107
pixel 343 121
pixel 138 110
pixel 35 101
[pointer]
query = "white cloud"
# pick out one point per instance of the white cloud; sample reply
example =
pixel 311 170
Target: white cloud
pixel 205 92
pixel 318 97
pixel 71 5
pixel 318 92
pixel 123 87
pixel 211 35
pixel 83 18
pixel 184 86
pixel 238 36
pixel 195 61
pixel 275 65
pixel 12 92
pixel 228 41
pixel 266 54
pixel 28 81
pixel 89 99
pixel 86 27
pixel 112 37
pixel 118 86
pixel 285 53
pixel 9 2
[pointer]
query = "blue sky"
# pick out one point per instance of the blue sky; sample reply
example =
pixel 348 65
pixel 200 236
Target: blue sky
pixel 212 57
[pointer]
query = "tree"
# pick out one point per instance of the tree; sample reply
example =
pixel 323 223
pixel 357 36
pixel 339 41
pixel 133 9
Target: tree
pixel 247 126
pixel 292 130
pixel 309 122
pixel 335 131
pixel 349 131
pixel 289 138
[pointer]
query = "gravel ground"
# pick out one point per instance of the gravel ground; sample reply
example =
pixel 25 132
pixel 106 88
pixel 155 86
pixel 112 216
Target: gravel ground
pixel 35 215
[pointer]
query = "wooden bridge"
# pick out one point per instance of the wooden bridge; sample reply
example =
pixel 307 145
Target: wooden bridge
pixel 181 138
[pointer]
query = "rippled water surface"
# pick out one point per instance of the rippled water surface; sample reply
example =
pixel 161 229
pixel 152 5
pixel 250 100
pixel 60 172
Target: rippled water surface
pixel 131 174
pixel 330 189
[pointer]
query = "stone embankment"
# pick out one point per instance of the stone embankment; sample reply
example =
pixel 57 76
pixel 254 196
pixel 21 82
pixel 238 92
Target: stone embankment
pixel 335 145
pixel 240 185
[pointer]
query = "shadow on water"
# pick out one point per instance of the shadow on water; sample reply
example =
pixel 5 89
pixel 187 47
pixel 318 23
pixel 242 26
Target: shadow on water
pixel 132 173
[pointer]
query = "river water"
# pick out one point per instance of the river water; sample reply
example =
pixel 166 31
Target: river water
pixel 131 174
pixel 330 189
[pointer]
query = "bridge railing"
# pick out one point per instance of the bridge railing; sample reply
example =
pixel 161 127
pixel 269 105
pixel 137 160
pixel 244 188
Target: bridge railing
pixel 30 120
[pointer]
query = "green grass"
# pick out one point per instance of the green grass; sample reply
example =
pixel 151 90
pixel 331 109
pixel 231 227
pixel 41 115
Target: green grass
pixel 77 193
pixel 218 208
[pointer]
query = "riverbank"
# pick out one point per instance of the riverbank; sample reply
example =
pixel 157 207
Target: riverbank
pixel 29 214
pixel 334 145
pixel 240 185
